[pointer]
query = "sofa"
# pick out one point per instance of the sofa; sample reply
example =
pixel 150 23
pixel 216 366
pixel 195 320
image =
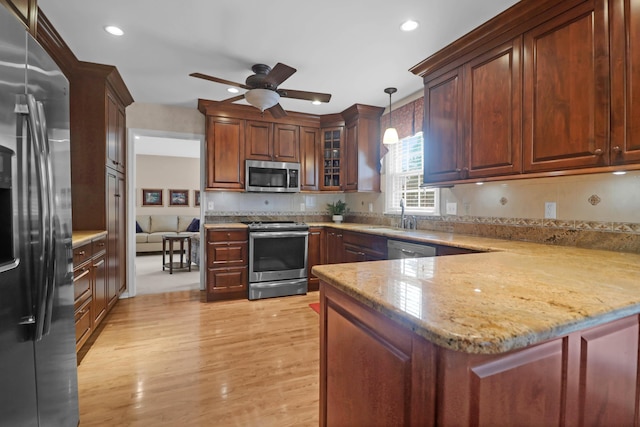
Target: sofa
pixel 151 228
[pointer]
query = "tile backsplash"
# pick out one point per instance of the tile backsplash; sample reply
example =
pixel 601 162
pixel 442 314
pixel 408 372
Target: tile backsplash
pixel 597 210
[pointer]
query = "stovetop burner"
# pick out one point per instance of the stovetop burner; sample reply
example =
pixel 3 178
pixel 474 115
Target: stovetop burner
pixel 275 225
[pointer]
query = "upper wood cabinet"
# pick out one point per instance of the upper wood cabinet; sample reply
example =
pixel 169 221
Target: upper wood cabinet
pixel 544 87
pixel 25 10
pixel 493 111
pixel 225 153
pixel 309 158
pixel 443 110
pixel 272 141
pixel 362 148
pixel 116 133
pixel 624 24
pixel 566 74
pixel 332 158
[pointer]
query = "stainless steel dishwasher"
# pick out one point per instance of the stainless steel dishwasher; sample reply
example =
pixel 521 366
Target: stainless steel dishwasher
pixel 398 250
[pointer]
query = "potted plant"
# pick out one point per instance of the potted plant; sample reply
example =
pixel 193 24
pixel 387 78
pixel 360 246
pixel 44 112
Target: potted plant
pixel 337 210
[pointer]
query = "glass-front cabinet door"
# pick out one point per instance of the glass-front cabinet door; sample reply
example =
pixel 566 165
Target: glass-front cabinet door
pixel 332 158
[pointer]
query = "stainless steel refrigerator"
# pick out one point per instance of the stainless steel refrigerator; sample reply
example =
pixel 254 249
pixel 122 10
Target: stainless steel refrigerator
pixel 38 375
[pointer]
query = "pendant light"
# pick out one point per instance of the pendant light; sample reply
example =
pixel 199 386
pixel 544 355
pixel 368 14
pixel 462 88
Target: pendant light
pixel 391 134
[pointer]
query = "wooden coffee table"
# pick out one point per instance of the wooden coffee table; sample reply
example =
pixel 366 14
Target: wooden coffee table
pixel 184 263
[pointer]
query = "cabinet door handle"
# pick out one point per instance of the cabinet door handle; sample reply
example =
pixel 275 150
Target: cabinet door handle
pixel 598 152
pixel 81 253
pixel 616 149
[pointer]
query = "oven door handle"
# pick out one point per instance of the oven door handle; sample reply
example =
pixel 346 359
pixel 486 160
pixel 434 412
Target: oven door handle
pixel 277 234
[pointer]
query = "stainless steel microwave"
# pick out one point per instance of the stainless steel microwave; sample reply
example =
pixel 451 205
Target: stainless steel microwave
pixel 272 177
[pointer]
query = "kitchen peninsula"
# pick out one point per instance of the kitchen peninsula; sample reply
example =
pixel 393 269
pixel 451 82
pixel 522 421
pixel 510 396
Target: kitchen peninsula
pixel 540 334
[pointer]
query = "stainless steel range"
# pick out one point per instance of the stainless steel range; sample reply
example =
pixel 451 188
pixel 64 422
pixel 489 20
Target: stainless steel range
pixel 277 258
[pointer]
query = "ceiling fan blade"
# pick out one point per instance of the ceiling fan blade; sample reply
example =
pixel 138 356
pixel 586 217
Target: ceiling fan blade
pixel 301 94
pixel 218 80
pixel 233 99
pixel 279 73
pixel 277 111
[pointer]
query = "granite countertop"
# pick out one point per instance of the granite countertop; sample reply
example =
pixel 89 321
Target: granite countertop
pixel 225 225
pixel 512 295
pixel 80 237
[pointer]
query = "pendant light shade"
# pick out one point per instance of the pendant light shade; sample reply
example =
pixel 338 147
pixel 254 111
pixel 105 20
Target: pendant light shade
pixel 390 134
pixel 262 99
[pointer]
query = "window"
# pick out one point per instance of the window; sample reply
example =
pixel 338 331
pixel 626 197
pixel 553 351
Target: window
pixel 404 177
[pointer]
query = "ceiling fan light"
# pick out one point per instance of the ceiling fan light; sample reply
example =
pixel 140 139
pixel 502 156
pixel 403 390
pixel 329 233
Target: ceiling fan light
pixel 262 99
pixel 390 136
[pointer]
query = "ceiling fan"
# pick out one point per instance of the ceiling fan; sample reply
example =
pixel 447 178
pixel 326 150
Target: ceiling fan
pixel 262 88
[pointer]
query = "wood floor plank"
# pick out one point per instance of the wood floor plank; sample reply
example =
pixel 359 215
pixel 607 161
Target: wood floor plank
pixel 171 360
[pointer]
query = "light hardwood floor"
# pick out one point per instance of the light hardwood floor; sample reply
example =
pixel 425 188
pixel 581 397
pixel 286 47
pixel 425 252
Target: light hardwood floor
pixel 171 360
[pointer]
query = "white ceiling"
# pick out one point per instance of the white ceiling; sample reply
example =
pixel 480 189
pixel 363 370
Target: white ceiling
pixel 352 49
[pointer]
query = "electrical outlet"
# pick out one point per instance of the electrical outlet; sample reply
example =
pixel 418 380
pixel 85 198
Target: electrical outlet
pixel 210 205
pixel 370 207
pixel 550 210
pixel 302 207
pixel 452 208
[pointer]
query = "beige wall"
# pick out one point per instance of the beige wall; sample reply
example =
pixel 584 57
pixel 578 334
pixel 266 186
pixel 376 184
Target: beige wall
pixel 160 172
pixel 165 118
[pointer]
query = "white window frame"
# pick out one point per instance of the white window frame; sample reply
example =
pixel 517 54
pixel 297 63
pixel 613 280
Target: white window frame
pixel 395 179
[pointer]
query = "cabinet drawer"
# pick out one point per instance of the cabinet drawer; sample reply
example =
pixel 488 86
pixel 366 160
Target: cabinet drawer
pixel 81 254
pixel 99 245
pixel 227 254
pixel 227 235
pixel 81 284
pixel 83 323
pixel 221 280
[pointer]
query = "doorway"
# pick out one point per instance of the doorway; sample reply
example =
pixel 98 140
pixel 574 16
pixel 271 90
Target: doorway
pixel 167 162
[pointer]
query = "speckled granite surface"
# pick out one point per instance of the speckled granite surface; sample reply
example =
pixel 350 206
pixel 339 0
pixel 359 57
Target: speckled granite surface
pixel 80 237
pixel 518 294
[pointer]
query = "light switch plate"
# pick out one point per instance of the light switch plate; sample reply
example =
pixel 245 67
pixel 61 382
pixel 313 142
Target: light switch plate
pixel 550 210
pixel 210 205
pixel 452 208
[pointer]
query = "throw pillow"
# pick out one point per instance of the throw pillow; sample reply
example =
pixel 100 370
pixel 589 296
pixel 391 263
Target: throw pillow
pixel 138 228
pixel 194 226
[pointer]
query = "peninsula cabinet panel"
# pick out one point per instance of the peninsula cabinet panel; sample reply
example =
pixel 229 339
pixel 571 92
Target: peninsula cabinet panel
pixel 225 153
pixel 625 81
pixel 566 81
pixel 375 371
pixel 443 104
pixel 309 158
pixel 493 134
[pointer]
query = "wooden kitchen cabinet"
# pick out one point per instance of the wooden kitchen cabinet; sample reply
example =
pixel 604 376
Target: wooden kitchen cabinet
pixel 98 170
pixel 315 255
pixel 362 148
pixel 363 247
pixel 443 127
pixel 566 73
pixel 309 158
pixel 493 112
pixel 227 264
pixel 275 142
pixel 332 158
pixel 335 246
pixel 624 27
pixel 225 153
pixel 388 375
pixel 89 287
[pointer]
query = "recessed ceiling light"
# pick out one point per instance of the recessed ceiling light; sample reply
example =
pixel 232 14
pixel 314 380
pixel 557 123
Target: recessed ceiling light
pixel 113 30
pixel 409 25
pixel 479 183
pixel 316 102
pixel 620 172
pixel 233 90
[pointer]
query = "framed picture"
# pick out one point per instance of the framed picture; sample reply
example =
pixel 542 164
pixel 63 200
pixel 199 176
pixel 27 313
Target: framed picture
pixel 178 197
pixel 151 197
pixel 196 197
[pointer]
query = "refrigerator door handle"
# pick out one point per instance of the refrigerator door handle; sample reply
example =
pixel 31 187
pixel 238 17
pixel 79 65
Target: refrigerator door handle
pixel 43 213
pixel 50 253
